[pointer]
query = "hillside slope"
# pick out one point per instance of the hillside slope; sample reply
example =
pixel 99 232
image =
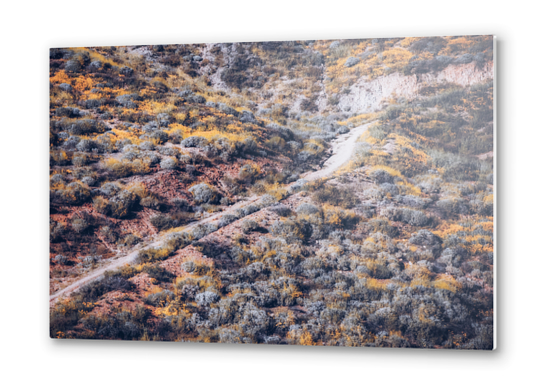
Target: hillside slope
pixel 308 192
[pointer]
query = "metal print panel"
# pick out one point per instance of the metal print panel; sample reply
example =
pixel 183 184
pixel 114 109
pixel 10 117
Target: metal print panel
pixel 325 193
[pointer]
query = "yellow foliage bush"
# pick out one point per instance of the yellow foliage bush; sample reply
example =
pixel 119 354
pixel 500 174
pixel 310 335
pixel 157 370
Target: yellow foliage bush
pixel 447 282
pixel 339 217
pixel 97 56
pixel 133 136
pixel 277 192
pixel 60 77
pixel 125 168
pixel 306 339
pixel 83 83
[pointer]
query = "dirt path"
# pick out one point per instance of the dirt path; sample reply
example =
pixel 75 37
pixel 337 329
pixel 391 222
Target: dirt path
pixel 131 257
pixel 342 149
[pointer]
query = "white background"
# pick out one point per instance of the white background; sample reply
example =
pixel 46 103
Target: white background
pixel 30 29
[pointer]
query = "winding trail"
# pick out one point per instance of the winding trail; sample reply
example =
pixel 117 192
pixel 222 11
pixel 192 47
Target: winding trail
pixel 342 149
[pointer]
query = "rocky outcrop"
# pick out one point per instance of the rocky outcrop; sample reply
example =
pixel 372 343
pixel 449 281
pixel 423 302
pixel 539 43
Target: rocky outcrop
pixel 371 95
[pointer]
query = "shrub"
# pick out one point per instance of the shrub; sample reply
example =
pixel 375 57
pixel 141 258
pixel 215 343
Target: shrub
pixel 176 136
pixel 150 202
pixel 229 336
pixel 248 172
pixel 489 178
pixel 75 193
pixel 413 201
pixel 247 117
pixel 189 291
pixel 71 142
pixel 124 168
pixel 249 226
pixel 164 119
pixel 226 220
pixel 150 127
pixel 249 145
pixel 225 201
pixel 72 65
pixel 276 143
pixel 294 145
pixel 90 261
pixel 254 321
pixel 381 176
pixel 307 209
pixel 203 193
pixel 292 231
pixel 162 222
pixel 122 204
pixel 127 101
pixel 281 210
pixel 126 71
pixel 86 127
pixel 406 215
pixel 204 299
pixel 108 234
pixel 195 141
pixel 93 103
pixel 453 206
pixel 160 299
pixel 297 186
pixel 181 204
pixel 332 315
pixel 61 259
pixel 337 217
pixel 351 61
pixel 458 167
pixel 94 290
pixel 330 194
pixel 242 212
pixel 271 340
pixel 101 205
pixel 155 254
pixel 453 256
pixel 227 109
pixel 159 136
pixel 203 230
pixel 96 65
pixel 57 179
pixel 110 189
pixel 169 163
pixel 119 206
pixel 79 225
pixel 65 87
pixel 87 145
pixel 304 156
pixel 57 231
pixel 383 226
pixel 80 160
pixel 130 240
pixel 186 159
pixel 426 239
pixel 168 151
pixel 59 158
pixel 413 217
pixel 68 111
pixel 151 159
pixel 198 99
pixel 389 189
